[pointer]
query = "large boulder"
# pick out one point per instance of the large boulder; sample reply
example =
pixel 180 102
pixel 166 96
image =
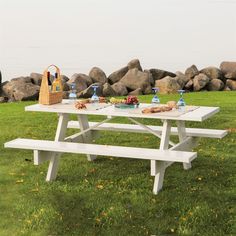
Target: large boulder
pixel 97 75
pixel 120 89
pixel 36 77
pixel 3 99
pixel 151 80
pixel 80 81
pixel 117 75
pixel 137 79
pixel 135 63
pixel 0 83
pixel 21 89
pixel 191 72
pixel 167 85
pixel 181 78
pixel 87 93
pixel 81 77
pixel 160 74
pixel 212 72
pixel 136 92
pixel 64 79
pixel 215 85
pixel 0 79
pixel 189 85
pixel 231 84
pixel 200 81
pixel 228 69
pixel 108 91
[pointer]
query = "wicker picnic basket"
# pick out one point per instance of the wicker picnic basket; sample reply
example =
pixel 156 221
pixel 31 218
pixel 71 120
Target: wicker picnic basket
pixel 47 97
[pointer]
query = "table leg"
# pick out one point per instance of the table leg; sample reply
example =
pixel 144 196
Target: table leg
pixel 87 137
pixel 157 167
pixel 60 135
pixel 182 137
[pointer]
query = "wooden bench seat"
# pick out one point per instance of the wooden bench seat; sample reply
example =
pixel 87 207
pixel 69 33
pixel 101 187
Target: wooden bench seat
pixel 190 132
pixel 102 150
pixel 50 148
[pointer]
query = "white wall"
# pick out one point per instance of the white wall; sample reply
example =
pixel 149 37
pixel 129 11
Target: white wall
pixel 79 34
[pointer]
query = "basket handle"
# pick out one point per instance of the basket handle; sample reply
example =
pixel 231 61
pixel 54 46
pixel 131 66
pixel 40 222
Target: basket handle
pixel 45 81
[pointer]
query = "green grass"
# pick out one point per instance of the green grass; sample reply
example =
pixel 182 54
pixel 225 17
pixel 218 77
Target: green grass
pixel 113 196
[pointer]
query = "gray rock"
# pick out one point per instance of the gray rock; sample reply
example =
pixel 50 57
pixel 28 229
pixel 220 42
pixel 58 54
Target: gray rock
pixel 21 90
pixel 160 74
pixel 191 72
pixel 212 72
pixel 108 91
pixel 87 93
pixel 228 69
pixel 182 79
pixel 117 75
pixel 189 85
pixel 136 92
pixel 226 88
pixel 151 80
pixel 80 81
pixel 136 79
pixel 66 94
pixel 215 85
pixel 120 89
pixel 65 87
pixel 200 81
pixel 64 79
pixel 22 79
pixel 135 63
pixel 97 75
pixel 81 77
pixel 0 81
pixel 231 84
pixel 37 78
pixel 167 85
pixel 3 99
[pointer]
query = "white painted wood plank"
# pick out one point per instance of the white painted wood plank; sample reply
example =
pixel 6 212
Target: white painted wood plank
pixel 182 136
pixel 195 132
pixel 87 137
pixel 164 144
pixel 104 150
pixel 60 136
pixel 199 114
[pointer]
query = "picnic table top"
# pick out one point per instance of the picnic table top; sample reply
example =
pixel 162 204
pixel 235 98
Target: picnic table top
pixel 193 113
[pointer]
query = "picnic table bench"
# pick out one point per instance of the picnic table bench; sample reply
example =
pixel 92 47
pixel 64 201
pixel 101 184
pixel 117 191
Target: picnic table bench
pixel 81 142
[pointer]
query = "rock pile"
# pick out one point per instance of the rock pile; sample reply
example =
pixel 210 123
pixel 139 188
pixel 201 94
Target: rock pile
pixel 130 79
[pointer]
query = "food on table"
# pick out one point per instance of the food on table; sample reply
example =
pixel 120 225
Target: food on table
pixel 130 100
pixel 172 104
pixel 156 109
pixel 80 105
pixel 102 100
pixel 117 100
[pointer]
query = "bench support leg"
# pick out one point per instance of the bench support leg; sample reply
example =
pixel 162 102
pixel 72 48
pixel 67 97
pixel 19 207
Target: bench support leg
pixel 165 138
pixel 87 137
pixel 182 137
pixel 159 177
pixel 60 135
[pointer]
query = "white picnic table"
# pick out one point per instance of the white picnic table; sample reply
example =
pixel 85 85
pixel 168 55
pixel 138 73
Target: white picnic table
pixel 81 142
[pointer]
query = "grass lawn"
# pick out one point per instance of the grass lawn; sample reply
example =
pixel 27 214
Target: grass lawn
pixel 113 196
